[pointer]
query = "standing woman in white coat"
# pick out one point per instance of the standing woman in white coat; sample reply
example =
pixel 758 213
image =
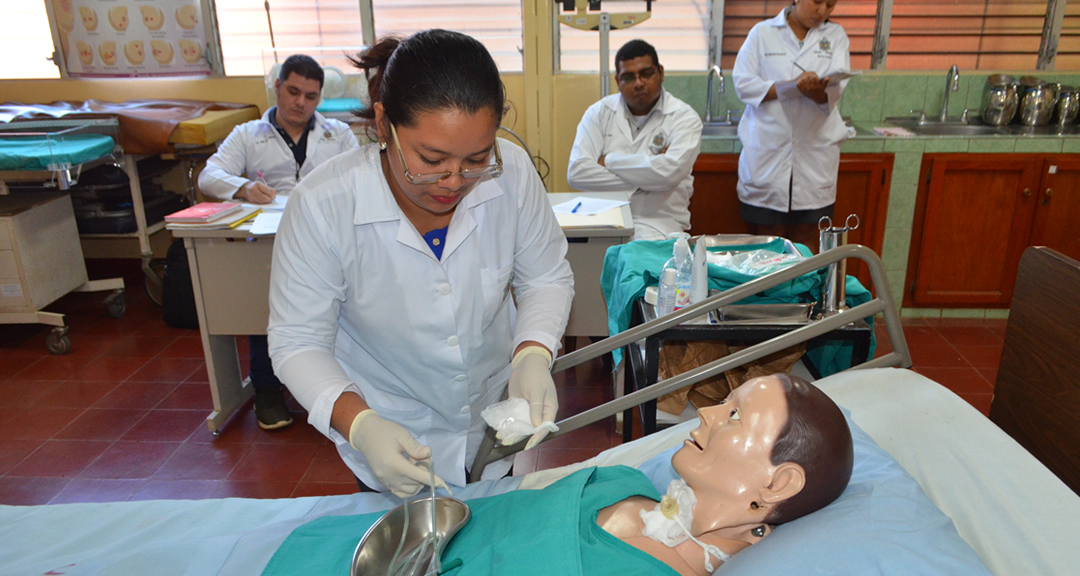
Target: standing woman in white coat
pixel 413 278
pixel 791 129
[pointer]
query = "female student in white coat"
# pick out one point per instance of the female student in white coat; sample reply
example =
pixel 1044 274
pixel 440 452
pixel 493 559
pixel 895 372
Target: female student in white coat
pixel 791 129
pixel 413 278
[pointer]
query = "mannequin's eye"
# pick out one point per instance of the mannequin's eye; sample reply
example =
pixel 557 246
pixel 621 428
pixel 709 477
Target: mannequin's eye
pixel 734 415
pixel 724 401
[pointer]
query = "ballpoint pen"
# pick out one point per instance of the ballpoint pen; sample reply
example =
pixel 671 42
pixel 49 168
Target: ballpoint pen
pixel 797 66
pixel 574 211
pixel 261 179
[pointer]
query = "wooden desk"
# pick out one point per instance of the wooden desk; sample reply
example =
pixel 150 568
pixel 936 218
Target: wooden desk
pixel 230 273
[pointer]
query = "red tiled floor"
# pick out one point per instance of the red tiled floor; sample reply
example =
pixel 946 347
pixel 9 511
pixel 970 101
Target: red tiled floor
pixel 98 490
pixel 130 460
pixel 122 415
pixel 60 459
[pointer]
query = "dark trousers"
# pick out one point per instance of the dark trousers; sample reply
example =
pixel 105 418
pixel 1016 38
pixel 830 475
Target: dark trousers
pixel 262 371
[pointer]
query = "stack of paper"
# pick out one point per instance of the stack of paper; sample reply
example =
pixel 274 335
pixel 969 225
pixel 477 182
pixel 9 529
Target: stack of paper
pixel 585 212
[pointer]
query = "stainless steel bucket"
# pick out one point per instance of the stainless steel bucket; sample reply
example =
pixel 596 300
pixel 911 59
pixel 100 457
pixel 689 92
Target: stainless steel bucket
pixel 1037 99
pixel 834 292
pixel 376 549
pixel 1068 105
pixel 1000 99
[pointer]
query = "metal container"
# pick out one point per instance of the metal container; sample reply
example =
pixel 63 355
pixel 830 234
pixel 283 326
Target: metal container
pixel 1000 99
pixel 834 291
pixel 1037 99
pixel 1068 105
pixel 376 549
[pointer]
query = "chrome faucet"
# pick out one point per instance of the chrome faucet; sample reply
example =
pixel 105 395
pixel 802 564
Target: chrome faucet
pixel 952 84
pixel 709 91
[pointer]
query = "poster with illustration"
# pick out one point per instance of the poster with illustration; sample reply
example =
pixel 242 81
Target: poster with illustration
pixel 132 38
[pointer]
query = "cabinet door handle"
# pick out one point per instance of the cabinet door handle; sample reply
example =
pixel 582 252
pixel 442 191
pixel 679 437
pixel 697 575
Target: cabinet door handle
pixel 1049 192
pixel 1027 192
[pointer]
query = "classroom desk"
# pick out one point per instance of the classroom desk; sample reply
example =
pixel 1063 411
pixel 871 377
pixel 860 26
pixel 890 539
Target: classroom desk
pixel 230 273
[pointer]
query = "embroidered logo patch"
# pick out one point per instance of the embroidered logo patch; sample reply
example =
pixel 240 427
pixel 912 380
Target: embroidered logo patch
pixel 659 142
pixel 825 45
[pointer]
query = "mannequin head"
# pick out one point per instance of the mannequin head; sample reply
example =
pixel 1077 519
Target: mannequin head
pixel 775 450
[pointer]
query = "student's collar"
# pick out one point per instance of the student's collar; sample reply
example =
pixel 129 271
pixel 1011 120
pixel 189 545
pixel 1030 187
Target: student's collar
pixel 272 118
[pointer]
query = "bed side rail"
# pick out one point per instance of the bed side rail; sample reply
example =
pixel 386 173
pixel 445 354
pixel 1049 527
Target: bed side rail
pixel 883 304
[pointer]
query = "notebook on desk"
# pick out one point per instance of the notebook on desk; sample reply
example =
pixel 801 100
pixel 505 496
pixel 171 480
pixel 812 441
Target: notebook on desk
pixel 608 219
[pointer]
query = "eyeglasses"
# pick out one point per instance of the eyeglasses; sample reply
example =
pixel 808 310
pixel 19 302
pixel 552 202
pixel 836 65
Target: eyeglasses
pixel 630 77
pixel 495 170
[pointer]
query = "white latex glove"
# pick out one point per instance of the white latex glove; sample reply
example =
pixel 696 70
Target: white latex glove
pixel 530 378
pixel 382 443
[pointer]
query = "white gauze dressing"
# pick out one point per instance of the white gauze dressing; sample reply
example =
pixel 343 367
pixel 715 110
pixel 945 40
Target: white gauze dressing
pixel 669 522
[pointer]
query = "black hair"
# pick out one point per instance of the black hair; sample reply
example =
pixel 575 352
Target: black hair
pixel 636 49
pixel 816 437
pixel 303 65
pixel 429 71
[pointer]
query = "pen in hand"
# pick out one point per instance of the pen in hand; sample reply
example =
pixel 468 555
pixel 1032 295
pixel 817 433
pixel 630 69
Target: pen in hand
pixel 797 66
pixel 574 211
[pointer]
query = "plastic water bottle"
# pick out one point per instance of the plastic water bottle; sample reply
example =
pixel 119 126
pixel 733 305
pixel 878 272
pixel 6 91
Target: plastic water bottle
pixel 665 303
pixel 699 278
pixel 683 263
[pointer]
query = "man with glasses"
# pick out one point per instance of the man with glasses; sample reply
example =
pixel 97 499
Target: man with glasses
pixel 266 157
pixel 643 141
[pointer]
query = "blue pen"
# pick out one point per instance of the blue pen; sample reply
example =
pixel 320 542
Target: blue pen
pixel 574 211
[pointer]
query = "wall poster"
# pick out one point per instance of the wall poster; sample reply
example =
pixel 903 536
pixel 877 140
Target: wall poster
pixel 132 38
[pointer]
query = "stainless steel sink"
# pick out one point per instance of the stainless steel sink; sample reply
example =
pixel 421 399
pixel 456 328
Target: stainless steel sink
pixel 931 128
pixel 720 130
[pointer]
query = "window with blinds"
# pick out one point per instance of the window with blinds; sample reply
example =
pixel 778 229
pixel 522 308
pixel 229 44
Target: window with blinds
pixel 335 25
pixel 973 34
pixel 856 16
pixel 495 23
pixel 930 35
pixel 245 27
pixel 677 28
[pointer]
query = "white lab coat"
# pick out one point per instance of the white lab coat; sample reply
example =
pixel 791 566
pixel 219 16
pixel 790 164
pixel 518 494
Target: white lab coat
pixel 791 143
pixel 358 301
pixel 257 145
pixel 659 185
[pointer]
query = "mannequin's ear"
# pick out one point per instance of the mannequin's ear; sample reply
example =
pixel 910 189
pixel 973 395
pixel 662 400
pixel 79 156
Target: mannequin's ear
pixel 788 480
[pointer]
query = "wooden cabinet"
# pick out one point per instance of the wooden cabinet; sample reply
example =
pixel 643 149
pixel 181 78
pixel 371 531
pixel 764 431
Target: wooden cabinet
pixel 862 188
pixel 974 216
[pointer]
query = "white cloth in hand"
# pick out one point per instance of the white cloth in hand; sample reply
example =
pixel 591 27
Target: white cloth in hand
pixel 512 421
pixel 383 444
pixel 530 378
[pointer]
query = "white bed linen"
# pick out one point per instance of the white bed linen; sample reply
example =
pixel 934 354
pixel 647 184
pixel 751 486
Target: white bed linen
pixel 1013 511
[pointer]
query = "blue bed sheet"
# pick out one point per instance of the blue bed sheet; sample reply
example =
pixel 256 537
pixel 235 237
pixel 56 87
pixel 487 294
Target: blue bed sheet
pixel 38 153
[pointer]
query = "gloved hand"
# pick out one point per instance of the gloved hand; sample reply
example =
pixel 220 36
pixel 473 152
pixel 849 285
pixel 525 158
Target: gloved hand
pixel 530 378
pixel 382 443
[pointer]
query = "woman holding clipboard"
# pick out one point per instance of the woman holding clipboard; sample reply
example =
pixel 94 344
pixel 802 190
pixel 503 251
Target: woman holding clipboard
pixel 791 73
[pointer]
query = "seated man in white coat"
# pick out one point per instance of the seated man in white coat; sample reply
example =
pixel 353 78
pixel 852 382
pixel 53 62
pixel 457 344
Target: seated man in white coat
pixel 266 157
pixel 642 141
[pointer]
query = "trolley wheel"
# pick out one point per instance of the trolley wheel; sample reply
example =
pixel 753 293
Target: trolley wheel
pixel 117 304
pixel 154 281
pixel 57 341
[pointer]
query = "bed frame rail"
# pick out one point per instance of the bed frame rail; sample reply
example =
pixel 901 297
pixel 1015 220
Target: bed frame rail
pixel 883 304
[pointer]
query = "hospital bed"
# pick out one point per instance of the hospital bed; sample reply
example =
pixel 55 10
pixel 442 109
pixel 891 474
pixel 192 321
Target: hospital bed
pixel 40 255
pixel 186 130
pixel 1010 510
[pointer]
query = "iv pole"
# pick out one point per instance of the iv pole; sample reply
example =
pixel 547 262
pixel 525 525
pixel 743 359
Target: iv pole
pixel 604 22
